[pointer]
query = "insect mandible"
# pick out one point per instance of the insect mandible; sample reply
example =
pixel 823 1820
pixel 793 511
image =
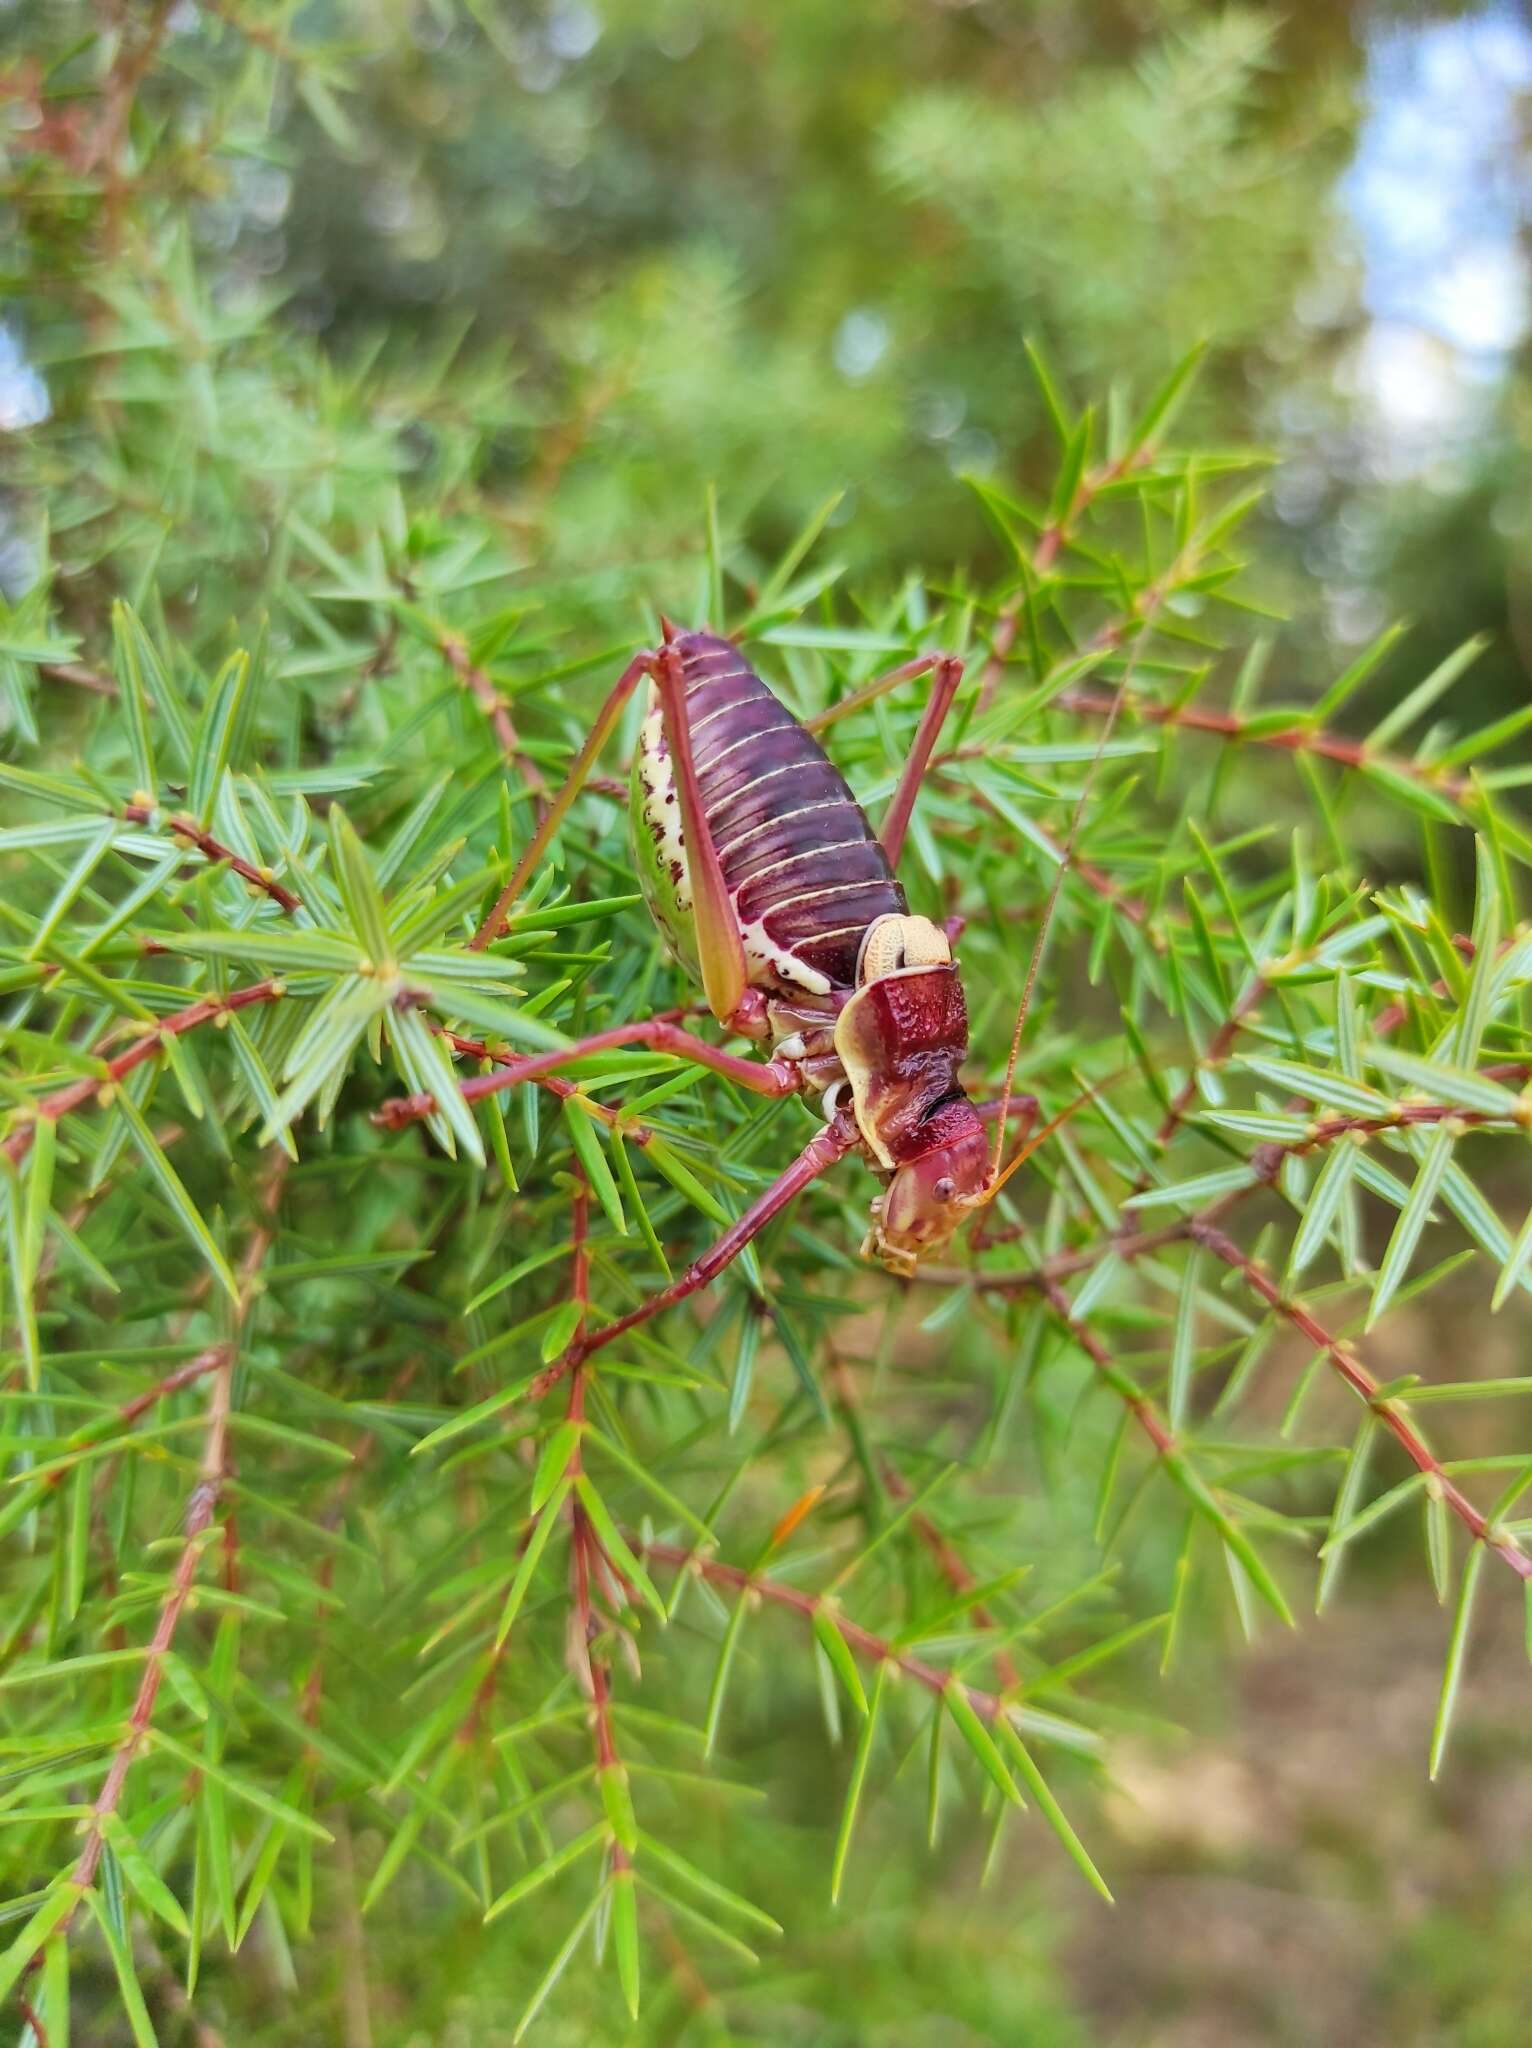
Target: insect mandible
pixel 761 870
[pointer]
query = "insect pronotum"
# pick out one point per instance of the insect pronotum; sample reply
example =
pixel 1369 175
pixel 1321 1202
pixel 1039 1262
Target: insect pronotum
pixel 760 868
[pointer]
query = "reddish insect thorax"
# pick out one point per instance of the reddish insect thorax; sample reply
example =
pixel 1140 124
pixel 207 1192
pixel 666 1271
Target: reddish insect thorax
pixel 902 1038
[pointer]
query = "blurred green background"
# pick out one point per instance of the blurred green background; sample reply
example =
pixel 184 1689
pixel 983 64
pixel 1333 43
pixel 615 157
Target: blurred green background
pixel 792 250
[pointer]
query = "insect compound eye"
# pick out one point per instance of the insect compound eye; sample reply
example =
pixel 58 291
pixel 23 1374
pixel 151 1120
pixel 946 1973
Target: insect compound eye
pixel 945 1188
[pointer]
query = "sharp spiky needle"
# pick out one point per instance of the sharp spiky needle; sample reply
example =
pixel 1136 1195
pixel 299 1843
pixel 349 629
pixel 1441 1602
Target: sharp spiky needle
pixel 997 1179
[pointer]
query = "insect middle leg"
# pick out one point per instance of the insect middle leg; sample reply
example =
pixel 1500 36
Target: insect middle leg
pixel 896 819
pixel 761 1077
pixel 640 666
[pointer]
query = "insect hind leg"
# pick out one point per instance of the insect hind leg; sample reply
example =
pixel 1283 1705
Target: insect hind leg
pixel 720 945
pixel 644 664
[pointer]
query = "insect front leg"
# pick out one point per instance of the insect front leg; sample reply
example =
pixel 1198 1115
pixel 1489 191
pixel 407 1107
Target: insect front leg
pixel 1020 1109
pixel 822 1151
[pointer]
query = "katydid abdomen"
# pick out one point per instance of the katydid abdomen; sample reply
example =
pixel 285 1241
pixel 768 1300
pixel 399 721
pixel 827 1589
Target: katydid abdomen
pixel 805 875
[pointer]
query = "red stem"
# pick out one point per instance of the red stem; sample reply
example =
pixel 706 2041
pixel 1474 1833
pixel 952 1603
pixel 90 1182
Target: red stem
pixel 822 1151
pixel 1137 1403
pixel 1219 1049
pixel 200 1511
pixel 79 676
pixel 205 1010
pixel 587 1556
pixel 987 1705
pixel 1361 1382
pixel 1292 739
pixel 30 2018
pixel 950 1562
pixel 489 700
pixel 1055 537
pixel 197 1368
pixel 214 850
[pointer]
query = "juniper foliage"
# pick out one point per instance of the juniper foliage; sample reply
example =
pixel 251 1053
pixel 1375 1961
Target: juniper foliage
pixel 321 1621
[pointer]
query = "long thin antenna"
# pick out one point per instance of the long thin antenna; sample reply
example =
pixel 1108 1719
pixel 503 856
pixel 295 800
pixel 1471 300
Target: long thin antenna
pixel 996 1180
pixel 1030 1143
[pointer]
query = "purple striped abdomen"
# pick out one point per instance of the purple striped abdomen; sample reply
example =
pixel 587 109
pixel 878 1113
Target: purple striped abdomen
pixel 798 856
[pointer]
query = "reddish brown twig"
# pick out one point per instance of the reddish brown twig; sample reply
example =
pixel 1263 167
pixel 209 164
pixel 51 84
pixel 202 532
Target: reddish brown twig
pixel 1060 532
pixel 1390 1019
pixel 1293 739
pixel 949 1560
pixel 31 2018
pixel 261 33
pixel 481 688
pixel 1219 1048
pixel 1325 1130
pixel 1136 623
pixel 823 1151
pixel 195 835
pixel 1348 1365
pixel 362 1449
pixel 569 437
pixel 1267 1160
pixel 1094 877
pixel 76 673
pixel 1052 541
pixel 589 1561
pixel 1138 1404
pixel 197 1368
pixel 127 74
pixel 67 1099
pixel 201 1510
pixel 172 1993
pixel 878 1649
pixel 1265 1164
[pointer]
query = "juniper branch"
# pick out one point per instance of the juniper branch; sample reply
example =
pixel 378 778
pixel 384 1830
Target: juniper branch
pixel 64 1101
pixel 1390 1410
pixel 949 1559
pixel 213 849
pixel 455 651
pixel 865 1642
pixel 201 1511
pixel 1297 738
pixel 1055 536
